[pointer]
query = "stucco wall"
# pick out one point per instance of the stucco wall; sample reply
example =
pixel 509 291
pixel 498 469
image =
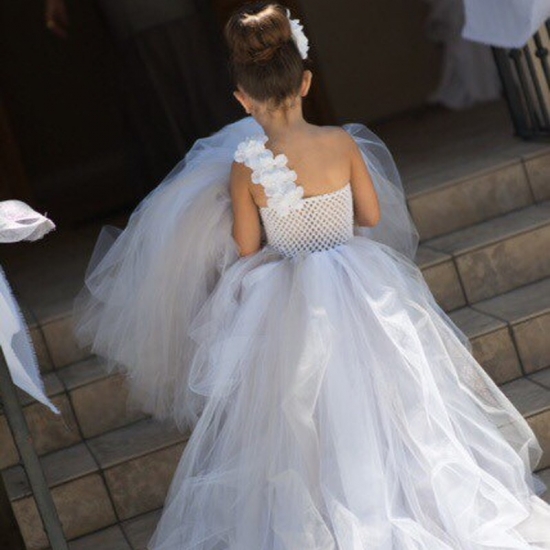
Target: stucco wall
pixel 375 58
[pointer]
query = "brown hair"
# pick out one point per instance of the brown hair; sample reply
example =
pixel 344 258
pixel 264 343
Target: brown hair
pixel 265 60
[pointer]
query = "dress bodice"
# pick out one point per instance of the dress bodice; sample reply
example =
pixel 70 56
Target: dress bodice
pixel 323 222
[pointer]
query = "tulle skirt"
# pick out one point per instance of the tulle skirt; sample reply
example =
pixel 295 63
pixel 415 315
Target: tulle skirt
pixel 146 284
pixel 342 411
pixel 334 404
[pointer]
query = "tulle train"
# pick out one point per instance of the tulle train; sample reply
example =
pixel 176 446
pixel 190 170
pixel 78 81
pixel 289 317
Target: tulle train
pixel 343 412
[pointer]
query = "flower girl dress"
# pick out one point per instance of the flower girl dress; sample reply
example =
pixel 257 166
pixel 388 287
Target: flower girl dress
pixel 334 405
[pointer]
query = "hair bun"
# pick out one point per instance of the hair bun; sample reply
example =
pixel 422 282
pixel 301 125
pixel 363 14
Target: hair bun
pixel 262 55
pixel 265 59
pixel 258 33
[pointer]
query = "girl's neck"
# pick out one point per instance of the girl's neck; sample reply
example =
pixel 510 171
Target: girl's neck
pixel 282 122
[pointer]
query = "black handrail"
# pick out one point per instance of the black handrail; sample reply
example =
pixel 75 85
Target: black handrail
pixel 525 76
pixel 31 462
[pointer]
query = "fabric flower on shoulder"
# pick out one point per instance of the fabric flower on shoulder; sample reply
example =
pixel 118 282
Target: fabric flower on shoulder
pixel 250 148
pixel 263 163
pixel 272 172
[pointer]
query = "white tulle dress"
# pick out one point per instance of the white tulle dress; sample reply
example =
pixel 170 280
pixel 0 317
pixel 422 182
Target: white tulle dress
pixel 334 405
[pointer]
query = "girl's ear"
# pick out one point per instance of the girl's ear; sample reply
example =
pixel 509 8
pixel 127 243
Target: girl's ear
pixel 306 83
pixel 244 100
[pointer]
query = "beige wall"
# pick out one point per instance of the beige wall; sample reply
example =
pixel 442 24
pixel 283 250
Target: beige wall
pixel 374 55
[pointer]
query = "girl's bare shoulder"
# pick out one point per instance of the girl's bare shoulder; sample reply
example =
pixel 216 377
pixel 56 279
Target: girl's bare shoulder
pixel 335 137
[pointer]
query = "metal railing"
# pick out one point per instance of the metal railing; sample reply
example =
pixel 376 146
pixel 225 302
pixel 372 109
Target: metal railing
pixel 29 458
pixel 525 76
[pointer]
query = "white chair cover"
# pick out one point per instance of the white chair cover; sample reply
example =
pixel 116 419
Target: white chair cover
pixel 504 23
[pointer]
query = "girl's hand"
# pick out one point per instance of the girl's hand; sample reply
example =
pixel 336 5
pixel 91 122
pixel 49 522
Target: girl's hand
pixel 57 20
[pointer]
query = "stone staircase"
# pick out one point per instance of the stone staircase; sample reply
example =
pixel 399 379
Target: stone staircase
pixel 485 253
pixel 491 271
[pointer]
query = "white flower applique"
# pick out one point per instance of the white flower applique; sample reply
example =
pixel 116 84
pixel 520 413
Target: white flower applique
pixel 298 35
pixel 279 182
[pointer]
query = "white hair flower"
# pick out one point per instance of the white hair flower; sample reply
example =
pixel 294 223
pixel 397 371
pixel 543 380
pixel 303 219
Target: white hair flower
pixel 298 35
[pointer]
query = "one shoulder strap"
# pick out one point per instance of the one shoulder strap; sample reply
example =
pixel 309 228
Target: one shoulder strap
pixel 273 173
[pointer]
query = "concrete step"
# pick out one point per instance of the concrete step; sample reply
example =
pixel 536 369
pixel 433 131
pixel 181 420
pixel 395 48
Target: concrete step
pixel 134 534
pixel 112 538
pixel 537 166
pixel 441 275
pixel 92 402
pixel 49 431
pixel 46 276
pixel 140 529
pixel 99 399
pixel 485 230
pixel 478 197
pixel 447 205
pixel 109 469
pixel 107 479
pixel 50 323
pixel 492 343
pixel 56 348
pixel 531 396
pixel 463 168
pixel 110 489
pixel 509 333
pixel 526 310
pixel 466 266
pixel 501 254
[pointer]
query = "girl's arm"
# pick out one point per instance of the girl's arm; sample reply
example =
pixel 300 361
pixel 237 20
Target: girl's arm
pixel 246 217
pixel 365 199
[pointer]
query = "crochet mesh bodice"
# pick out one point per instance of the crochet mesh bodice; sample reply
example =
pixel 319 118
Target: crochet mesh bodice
pixel 324 221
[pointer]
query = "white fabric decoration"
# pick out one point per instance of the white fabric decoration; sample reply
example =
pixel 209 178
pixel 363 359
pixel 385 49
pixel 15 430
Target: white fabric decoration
pixel 298 35
pixel 468 73
pixel 19 222
pixel 504 23
pixel 283 195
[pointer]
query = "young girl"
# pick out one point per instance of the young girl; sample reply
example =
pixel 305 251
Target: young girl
pixel 265 295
